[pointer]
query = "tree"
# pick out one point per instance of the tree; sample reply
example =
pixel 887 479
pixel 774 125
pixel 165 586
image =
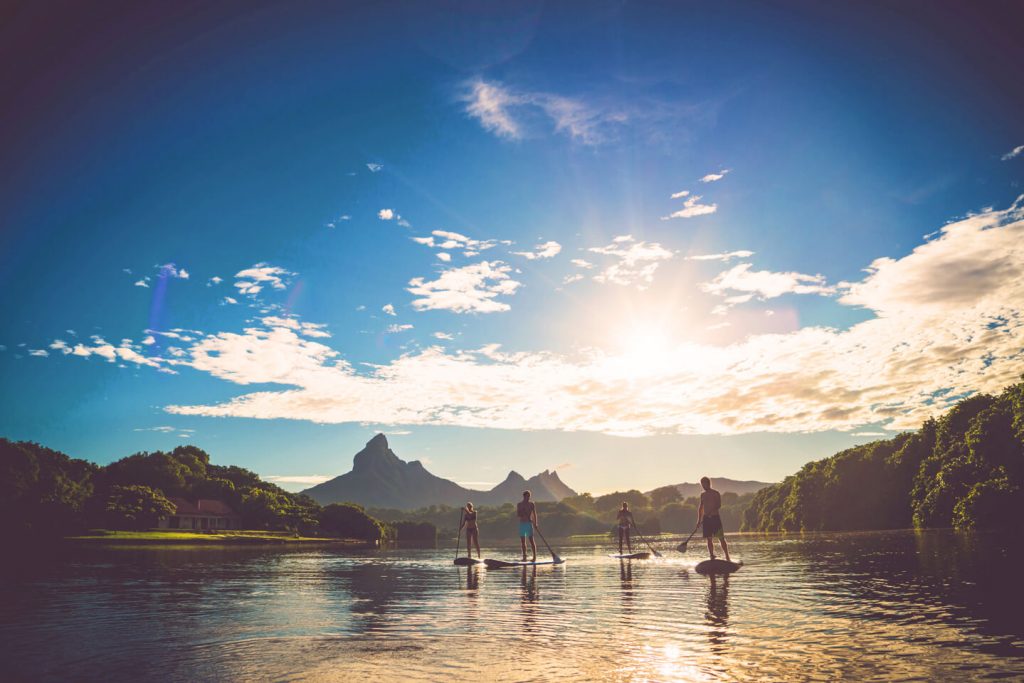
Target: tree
pixel 613 501
pixel 348 520
pixel 663 495
pixel 136 507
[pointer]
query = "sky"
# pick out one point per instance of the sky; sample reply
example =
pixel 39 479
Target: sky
pixel 636 243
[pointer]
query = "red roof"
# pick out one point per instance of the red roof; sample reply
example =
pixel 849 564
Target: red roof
pixel 203 506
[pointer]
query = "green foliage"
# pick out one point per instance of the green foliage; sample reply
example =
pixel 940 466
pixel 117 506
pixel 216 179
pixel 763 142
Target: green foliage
pixel 135 507
pixel 42 492
pixel 663 495
pixel 415 532
pixel 612 502
pixel 964 469
pixel 348 520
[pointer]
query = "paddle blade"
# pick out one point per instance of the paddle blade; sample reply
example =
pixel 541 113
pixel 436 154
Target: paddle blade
pixel 681 547
pixel 464 561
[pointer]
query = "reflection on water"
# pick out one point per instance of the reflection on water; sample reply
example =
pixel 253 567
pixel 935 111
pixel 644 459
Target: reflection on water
pixel 932 605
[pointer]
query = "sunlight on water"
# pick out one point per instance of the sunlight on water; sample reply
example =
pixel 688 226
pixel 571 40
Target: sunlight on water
pixel 884 605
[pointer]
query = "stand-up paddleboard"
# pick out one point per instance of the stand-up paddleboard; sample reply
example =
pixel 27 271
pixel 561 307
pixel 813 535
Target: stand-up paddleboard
pixel 630 556
pixel 717 566
pixel 467 561
pixel 500 564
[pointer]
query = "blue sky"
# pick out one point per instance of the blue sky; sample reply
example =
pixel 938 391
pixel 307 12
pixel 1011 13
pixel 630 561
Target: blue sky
pixel 272 231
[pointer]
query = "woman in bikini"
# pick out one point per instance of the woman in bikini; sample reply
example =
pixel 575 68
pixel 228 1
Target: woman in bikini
pixel 472 531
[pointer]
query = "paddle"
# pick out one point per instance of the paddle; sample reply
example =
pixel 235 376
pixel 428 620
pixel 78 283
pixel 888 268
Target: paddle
pixel 656 553
pixel 682 546
pixel 554 557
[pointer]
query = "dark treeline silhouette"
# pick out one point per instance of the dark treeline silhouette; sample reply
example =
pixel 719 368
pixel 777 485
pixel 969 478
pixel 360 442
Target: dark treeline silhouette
pixel 662 510
pixel 46 494
pixel 964 470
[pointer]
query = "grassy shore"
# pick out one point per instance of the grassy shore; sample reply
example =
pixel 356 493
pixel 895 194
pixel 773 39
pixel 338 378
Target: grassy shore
pixel 221 537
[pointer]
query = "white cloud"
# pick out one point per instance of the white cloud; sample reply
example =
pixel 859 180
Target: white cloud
pixel 469 289
pixel 144 282
pixel 394 329
pixel 215 280
pixel 374 168
pixel 569 279
pixel 172 270
pixel 228 301
pixel 712 177
pixel 443 335
pixel 306 329
pixel 166 429
pixel 252 280
pixel 680 194
pixel 148 340
pixel 581 263
pixel 1013 153
pixel 306 479
pixel 446 239
pixel 948 321
pixel 692 207
pixel 61 345
pixel 386 214
pixel 548 249
pixel 503 111
pixel 635 264
pixel 444 256
pixel 388 309
pixel 404 223
pixel 723 256
pixel 42 353
pixel 869 434
pixel 740 284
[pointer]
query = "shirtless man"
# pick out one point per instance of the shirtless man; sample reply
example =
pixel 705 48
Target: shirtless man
pixel 707 515
pixel 526 511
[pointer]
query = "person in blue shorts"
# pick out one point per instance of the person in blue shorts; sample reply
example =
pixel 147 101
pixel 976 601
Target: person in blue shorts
pixel 526 511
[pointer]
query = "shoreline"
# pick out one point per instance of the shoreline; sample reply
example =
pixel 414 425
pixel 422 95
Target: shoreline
pixel 173 538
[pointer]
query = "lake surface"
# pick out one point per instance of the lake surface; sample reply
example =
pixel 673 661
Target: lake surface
pixel 880 605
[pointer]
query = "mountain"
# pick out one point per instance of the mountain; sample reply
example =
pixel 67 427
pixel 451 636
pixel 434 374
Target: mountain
pixel 381 479
pixel 723 485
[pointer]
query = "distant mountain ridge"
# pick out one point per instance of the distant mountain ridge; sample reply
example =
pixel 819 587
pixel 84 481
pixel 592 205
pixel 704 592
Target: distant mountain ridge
pixel 381 479
pixel 723 485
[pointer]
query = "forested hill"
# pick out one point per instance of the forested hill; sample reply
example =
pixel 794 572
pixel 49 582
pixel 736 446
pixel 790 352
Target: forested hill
pixel 964 469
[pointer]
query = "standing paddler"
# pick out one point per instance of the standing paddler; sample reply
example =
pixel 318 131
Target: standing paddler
pixel 707 516
pixel 526 511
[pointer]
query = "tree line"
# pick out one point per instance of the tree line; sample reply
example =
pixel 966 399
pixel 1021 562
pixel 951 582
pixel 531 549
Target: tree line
pixel 964 469
pixel 46 494
pixel 662 510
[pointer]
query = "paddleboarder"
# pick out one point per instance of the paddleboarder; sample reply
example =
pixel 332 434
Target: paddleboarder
pixel 472 531
pixel 707 517
pixel 626 520
pixel 526 511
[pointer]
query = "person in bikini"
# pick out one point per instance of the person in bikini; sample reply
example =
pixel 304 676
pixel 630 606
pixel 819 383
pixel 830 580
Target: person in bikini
pixel 707 516
pixel 526 511
pixel 625 518
pixel 472 531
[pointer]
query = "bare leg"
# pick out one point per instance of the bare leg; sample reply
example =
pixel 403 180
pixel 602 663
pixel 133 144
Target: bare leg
pixel 522 542
pixel 620 540
pixel 629 543
pixel 711 547
pixel 476 542
pixel 725 548
pixel 533 546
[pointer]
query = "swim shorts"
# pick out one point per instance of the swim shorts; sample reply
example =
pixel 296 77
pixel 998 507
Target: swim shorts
pixel 713 526
pixel 526 529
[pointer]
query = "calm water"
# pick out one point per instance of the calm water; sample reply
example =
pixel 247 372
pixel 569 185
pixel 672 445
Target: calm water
pixel 888 606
